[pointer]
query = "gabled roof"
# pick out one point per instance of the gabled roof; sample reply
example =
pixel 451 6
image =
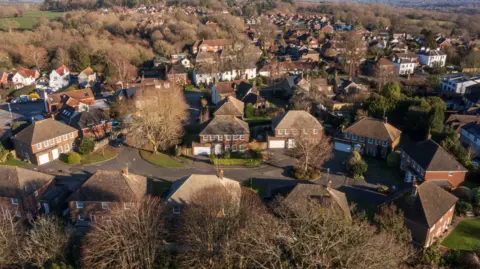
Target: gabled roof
pixel 184 188
pixel 62 70
pixel 79 95
pixel 221 125
pixel 296 119
pixel 111 186
pixel 384 62
pixel 43 130
pixel 228 87
pixel 17 182
pixel 89 119
pixel 25 72
pixel 230 106
pixel 374 128
pixel 87 72
pixel 427 206
pixel 432 157
pixel 328 197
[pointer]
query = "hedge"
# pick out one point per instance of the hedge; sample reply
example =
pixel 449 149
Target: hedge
pixel 246 162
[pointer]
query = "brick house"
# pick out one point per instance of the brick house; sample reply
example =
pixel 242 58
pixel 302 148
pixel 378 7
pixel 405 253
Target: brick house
pixel 291 124
pixel 235 88
pixel 25 77
pixel 230 106
pixel 384 69
pixel 44 141
pixel 428 211
pixel 223 133
pixel 177 74
pixel 94 122
pixel 428 161
pixel 21 191
pixel 78 99
pixel 369 136
pixel 182 191
pixel 105 190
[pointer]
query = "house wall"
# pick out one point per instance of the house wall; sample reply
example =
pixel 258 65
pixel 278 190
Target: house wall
pixel 419 232
pixel 226 144
pixel 90 209
pixel 439 228
pixel 370 146
pixel 455 179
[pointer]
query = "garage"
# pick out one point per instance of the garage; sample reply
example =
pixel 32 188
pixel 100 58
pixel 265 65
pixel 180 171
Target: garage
pixel 276 144
pixel 343 147
pixel 201 151
pixel 43 159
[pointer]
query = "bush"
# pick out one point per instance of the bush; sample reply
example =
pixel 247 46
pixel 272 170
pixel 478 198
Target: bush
pixel 382 189
pixel 393 159
pixel 226 155
pixel 463 193
pixel 249 111
pixel 311 173
pixel 86 145
pixel 463 207
pixel 476 196
pixel 189 87
pixel 356 166
pixel 73 158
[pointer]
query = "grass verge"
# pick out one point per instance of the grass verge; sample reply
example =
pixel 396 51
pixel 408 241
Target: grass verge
pixel 159 159
pixel 466 236
pixel 99 156
pixel 14 162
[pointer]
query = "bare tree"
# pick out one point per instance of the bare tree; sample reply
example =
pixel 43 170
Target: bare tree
pixel 353 54
pixel 129 239
pixel 46 241
pixel 311 152
pixel 9 229
pixel 122 69
pixel 157 116
pixel 36 56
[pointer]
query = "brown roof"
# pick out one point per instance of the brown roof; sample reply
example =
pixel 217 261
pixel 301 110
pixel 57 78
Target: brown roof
pixel 296 119
pixel 221 125
pixel 62 70
pixel 111 186
pixel 230 106
pixel 16 182
pixel 228 87
pixel 384 62
pixel 216 42
pixel 374 128
pixel 25 72
pixel 43 130
pixel 80 95
pixel 457 120
pixel 427 206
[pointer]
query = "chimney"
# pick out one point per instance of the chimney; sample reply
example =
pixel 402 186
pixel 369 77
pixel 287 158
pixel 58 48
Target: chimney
pixel 220 173
pixel 414 189
pixel 125 171
pixel 329 184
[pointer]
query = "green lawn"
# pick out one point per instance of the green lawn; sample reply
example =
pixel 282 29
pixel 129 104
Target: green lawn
pixel 466 236
pixel 160 159
pixel 379 172
pixel 30 18
pixel 99 156
pixel 14 162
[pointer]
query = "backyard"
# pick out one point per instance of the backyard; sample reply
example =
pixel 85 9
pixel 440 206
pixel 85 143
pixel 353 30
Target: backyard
pixel 466 236
pixel 379 173
pixel 29 18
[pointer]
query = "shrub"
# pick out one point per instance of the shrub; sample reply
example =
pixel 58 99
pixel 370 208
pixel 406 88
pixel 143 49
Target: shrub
pixel 463 193
pixel 476 196
pixel 463 207
pixel 311 174
pixel 211 157
pixel 86 145
pixel 189 87
pixel 356 166
pixel 393 159
pixel 253 162
pixel 249 111
pixel 73 158
pixel 226 155
pixel 382 189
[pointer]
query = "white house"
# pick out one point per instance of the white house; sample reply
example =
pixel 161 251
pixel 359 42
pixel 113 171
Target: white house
pixel 404 66
pixel 431 57
pixel 87 77
pixel 25 77
pixel 458 84
pixel 229 75
pixel 470 137
pixel 59 78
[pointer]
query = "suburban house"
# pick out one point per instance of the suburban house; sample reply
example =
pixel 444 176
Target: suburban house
pixel 43 141
pixel 458 83
pixel 470 137
pixel 177 74
pixel 317 85
pixel 214 45
pixel 235 88
pixel 472 97
pixel 457 121
pixel 21 191
pixel 369 136
pixel 384 68
pixel 25 77
pixel 79 99
pixel 3 79
pixel 208 77
pixel 87 77
pixel 428 161
pixel 105 190
pixel 230 106
pixel 223 133
pixel 432 57
pixel 404 66
pixel 59 78
pixel 329 198
pixel 292 124
pixel 93 122
pixel 183 190
pixel 428 211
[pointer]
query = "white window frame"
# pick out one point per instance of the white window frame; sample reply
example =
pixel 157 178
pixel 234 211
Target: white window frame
pixel 65 137
pixel 212 138
pixel 287 131
pixel 227 147
pixel 315 131
pixel 51 142
pixel 60 149
pixel 45 143
pixel 59 139
pixel 79 204
pixel 35 193
pixel 39 146
pixel 241 148
pixel 354 137
pixel 67 148
pixel 280 131
pixel 235 137
pixel 71 135
pixel 18 214
pixel 370 140
pixel 450 174
pixel 220 138
pixel 347 135
pixel 228 137
pixel 242 137
pixel 176 209
pixel 127 206
pixel 361 138
pixel 81 217
pixel 385 143
pixel 234 148
pixel 105 205
pixel 15 201
pixel 205 137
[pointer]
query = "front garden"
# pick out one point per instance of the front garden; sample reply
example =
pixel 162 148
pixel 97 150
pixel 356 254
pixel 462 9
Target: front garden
pixel 98 156
pixel 466 236
pixel 249 158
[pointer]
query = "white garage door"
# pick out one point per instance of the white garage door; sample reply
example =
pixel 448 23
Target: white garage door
pixel 42 159
pixel 343 147
pixel 276 144
pixel 201 151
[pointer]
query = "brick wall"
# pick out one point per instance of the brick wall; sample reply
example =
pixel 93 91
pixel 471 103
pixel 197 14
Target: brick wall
pixel 440 226
pixel 246 138
pixel 455 179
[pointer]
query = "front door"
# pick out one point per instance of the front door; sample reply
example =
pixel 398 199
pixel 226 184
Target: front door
pixel 55 154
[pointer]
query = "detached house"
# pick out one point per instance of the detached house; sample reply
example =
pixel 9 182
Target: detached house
pixel 230 106
pixel 105 190
pixel 59 78
pixel 87 77
pixel 369 136
pixel 79 99
pixel 223 133
pixel 21 191
pixel 432 57
pixel 25 77
pixel 292 124
pixel 470 136
pixel 235 88
pixel 428 211
pixel 428 161
pixel 43 141
pixel 93 122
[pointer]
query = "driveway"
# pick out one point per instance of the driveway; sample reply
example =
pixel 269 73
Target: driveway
pixel 193 101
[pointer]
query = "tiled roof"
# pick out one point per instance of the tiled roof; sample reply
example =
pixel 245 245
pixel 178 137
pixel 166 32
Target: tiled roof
pixel 43 130
pixel 79 95
pixel 17 182
pixel 374 128
pixel 221 125
pixel 230 106
pixel 25 72
pixel 62 70
pixel 296 119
